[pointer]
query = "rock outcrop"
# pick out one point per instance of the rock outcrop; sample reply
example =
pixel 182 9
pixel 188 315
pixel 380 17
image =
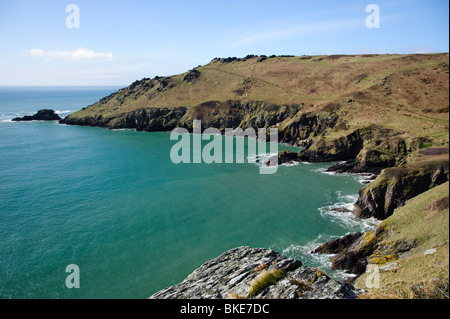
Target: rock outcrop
pixel 350 252
pixel 396 185
pixel 338 245
pixel 399 234
pixel 368 149
pixel 41 115
pixel 343 148
pixel 399 248
pixel 246 272
pixel 355 251
pixel 284 157
pixel 192 76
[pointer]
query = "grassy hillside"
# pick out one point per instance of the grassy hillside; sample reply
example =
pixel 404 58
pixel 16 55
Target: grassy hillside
pixel 407 93
pixel 422 270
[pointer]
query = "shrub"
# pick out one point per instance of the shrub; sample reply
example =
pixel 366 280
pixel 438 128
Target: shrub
pixel 265 279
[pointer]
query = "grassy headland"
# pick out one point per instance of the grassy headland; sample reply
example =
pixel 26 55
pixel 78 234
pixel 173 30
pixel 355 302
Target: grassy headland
pixel 405 93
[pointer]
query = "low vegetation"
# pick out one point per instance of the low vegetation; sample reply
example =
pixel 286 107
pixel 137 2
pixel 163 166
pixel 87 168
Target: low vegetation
pixel 421 268
pixel 352 87
pixel 265 279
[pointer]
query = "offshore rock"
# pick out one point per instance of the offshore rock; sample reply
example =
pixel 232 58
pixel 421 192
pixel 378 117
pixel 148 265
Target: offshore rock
pixel 232 274
pixel 339 245
pixel 41 115
pixel 284 157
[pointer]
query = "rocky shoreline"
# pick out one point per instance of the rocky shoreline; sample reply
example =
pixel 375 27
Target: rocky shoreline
pixel 257 273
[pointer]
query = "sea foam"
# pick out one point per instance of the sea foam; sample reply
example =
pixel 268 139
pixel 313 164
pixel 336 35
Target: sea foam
pixel 321 261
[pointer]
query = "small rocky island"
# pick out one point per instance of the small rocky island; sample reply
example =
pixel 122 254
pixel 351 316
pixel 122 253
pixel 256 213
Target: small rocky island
pixel 41 115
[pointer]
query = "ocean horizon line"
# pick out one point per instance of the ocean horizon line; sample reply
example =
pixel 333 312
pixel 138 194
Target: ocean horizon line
pixel 61 86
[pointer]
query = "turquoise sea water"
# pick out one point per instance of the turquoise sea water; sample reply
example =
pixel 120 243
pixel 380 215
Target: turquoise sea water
pixel 113 203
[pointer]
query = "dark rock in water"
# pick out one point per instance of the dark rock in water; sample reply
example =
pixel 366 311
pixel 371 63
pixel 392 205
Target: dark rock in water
pixel 41 115
pixel 234 274
pixel 342 210
pixel 339 245
pixel 354 252
pixel 284 157
pixel 351 252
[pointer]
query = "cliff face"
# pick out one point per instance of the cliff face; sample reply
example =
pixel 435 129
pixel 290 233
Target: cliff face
pixel 305 98
pixel 368 149
pixel 150 120
pixel 294 125
pixel 407 253
pixel 325 150
pixel 246 272
pixel 412 201
pixel 396 185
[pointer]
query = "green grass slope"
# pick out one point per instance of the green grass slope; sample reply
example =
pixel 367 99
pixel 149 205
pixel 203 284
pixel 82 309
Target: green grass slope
pixel 407 93
pixel 422 271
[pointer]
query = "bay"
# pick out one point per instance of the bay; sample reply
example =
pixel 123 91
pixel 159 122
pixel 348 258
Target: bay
pixel 113 203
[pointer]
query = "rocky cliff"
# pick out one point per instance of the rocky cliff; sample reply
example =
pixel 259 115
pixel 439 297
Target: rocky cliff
pixel 318 97
pixel 294 126
pixel 254 273
pixel 407 253
pixel 396 185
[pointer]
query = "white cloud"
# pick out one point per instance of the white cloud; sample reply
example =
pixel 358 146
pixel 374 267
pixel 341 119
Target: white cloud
pixel 75 55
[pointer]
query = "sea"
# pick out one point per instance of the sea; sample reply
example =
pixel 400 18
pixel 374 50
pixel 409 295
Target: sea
pixel 88 212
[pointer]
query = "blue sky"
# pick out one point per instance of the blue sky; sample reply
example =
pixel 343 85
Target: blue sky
pixel 121 41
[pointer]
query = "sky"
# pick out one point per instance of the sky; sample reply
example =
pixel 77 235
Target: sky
pixel 118 42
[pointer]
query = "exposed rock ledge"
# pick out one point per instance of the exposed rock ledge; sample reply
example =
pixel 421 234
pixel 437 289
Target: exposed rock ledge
pixel 396 185
pixel 235 274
